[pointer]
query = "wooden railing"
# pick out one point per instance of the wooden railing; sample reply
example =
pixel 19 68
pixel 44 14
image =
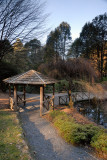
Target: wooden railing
pixel 48 102
pixel 76 96
pixel 20 99
pixel 63 100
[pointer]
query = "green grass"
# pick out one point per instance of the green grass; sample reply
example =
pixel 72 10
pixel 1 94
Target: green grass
pixel 76 133
pixel 11 139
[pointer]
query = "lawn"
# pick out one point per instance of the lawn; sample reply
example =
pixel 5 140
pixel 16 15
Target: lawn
pixel 12 144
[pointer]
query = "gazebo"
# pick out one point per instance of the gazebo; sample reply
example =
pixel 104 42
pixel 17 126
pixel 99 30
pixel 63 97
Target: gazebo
pixel 30 77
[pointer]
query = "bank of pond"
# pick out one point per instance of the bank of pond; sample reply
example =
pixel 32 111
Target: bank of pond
pixel 95 111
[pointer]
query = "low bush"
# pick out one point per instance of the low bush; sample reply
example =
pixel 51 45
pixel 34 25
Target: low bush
pixel 99 141
pixel 83 134
pixel 76 133
pixel 104 78
pixel 56 114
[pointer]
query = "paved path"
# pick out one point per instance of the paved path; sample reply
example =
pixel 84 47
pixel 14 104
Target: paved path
pixel 44 139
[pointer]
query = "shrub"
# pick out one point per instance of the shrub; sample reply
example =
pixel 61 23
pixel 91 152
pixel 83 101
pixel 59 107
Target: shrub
pixel 65 126
pixel 99 142
pixel 76 133
pixel 104 78
pixel 83 134
pixel 55 114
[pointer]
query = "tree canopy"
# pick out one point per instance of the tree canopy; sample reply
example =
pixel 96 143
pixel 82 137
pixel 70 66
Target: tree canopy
pixel 58 42
pixel 5 48
pixel 92 42
pixel 75 49
pixel 35 52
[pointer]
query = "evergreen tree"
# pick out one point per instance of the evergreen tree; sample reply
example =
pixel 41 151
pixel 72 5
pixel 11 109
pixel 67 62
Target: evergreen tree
pixel 75 49
pixel 93 41
pixel 58 42
pixel 35 53
pixel 65 38
pixel 18 58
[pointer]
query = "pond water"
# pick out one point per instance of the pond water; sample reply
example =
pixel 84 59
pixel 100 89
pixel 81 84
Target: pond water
pixel 96 113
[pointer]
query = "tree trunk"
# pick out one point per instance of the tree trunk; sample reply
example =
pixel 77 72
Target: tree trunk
pixel 15 97
pixel 102 61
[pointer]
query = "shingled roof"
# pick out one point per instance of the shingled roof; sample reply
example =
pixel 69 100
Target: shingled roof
pixel 31 77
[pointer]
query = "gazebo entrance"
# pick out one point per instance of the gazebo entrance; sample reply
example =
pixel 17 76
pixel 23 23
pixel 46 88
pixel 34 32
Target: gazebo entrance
pixel 30 77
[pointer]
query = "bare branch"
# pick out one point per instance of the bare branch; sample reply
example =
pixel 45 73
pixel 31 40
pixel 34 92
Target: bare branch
pixel 20 17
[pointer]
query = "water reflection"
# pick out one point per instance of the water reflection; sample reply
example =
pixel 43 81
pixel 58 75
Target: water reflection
pixel 96 113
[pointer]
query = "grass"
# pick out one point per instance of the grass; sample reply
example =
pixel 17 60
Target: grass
pixel 76 133
pixel 12 144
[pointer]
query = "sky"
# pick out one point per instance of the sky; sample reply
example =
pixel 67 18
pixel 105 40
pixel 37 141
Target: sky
pixel 75 12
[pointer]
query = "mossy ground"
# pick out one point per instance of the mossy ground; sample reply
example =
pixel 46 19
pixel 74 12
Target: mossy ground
pixel 12 144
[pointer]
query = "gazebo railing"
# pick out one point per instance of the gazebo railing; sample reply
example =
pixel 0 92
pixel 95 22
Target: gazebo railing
pixel 20 99
pixel 63 100
pixel 48 102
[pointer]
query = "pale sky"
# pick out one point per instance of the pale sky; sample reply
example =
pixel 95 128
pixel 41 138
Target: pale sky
pixel 75 12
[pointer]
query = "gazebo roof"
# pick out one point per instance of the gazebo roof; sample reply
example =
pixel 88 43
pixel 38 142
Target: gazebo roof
pixel 31 77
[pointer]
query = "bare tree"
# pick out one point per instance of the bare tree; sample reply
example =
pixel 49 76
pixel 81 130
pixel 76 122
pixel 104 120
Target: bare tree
pixel 21 18
pixel 75 69
pixel 71 69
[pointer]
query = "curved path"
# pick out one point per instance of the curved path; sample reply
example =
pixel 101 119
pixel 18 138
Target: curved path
pixel 44 140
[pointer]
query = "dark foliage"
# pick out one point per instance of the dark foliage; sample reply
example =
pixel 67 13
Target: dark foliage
pixel 6 70
pixel 35 53
pixel 5 48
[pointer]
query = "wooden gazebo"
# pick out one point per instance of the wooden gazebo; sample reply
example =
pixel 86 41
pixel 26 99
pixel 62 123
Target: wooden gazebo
pixel 30 77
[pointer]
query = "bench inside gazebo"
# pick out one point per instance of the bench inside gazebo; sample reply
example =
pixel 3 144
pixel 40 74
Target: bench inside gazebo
pixel 30 77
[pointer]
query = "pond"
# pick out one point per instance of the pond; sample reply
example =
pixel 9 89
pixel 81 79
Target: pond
pixel 96 113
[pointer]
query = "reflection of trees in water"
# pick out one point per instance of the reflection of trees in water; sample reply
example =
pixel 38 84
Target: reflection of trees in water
pixel 105 107
pixel 97 114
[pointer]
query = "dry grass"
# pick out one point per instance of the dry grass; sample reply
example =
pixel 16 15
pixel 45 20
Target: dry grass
pixel 4 100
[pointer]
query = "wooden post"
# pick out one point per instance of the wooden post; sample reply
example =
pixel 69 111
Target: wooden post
pixel 9 94
pixel 69 95
pixel 41 100
pixel 9 90
pixel 24 94
pixel 53 94
pixel 43 92
pixel 15 97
